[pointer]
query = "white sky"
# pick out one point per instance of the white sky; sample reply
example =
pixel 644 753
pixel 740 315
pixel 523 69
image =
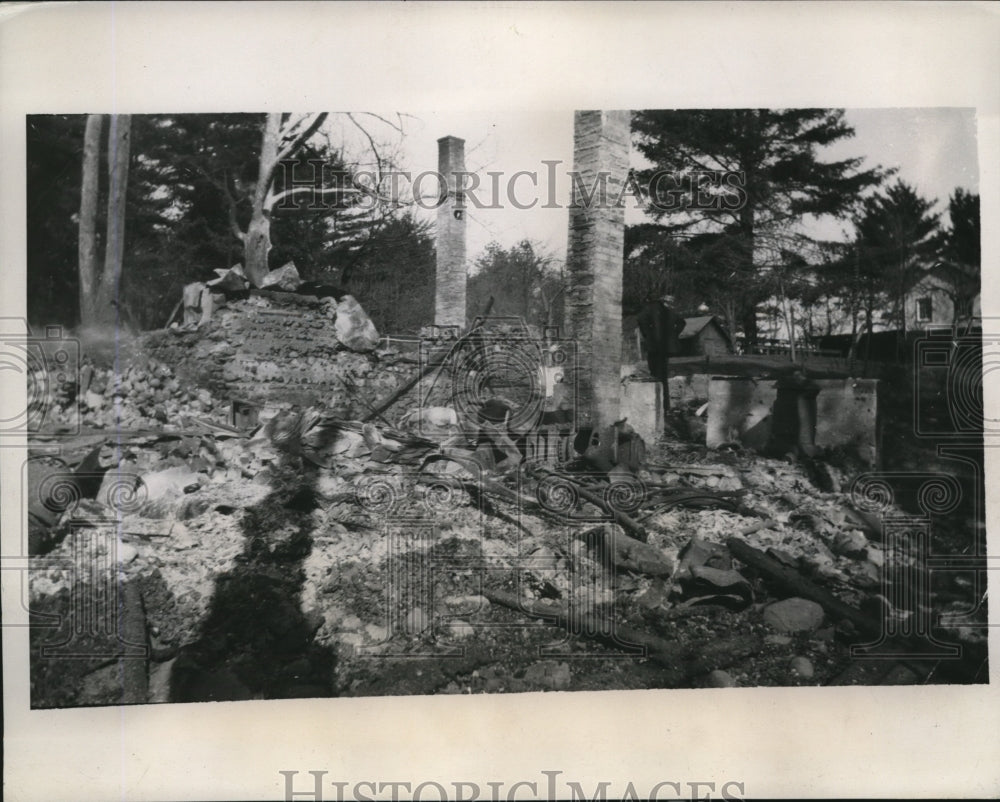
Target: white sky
pixel 934 149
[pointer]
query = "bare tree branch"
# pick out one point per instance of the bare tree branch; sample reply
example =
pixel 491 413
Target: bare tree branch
pixel 301 139
pixel 291 130
pixel 280 196
pixel 398 127
pixel 371 144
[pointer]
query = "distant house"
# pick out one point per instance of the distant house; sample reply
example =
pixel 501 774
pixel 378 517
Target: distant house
pixel 930 302
pixel 702 336
pixel 705 336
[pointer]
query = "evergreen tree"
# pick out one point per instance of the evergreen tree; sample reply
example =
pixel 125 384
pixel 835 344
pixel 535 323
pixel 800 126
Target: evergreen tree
pixel 960 255
pixel 778 179
pixel 898 237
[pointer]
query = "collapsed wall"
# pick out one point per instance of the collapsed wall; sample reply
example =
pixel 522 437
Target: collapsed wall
pixel 282 347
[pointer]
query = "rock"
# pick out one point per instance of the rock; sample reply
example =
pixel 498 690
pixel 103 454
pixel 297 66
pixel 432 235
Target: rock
pixel 263 477
pixel 656 595
pixel 127 553
pixel 376 633
pixel 432 416
pixel 192 507
pixel 543 559
pixel 86 377
pixel 181 538
pixel 793 615
pixel 549 674
pixel 868 576
pixel 285 278
pixel 822 552
pixel 94 401
pixel 353 328
pixel 170 483
pixel 851 543
pixel 461 629
pixel 875 556
pixel 120 489
pixel 802 667
pixel 778 640
pixel 465 605
pixel 720 679
pixel 231 280
pixel 826 634
pixel 416 621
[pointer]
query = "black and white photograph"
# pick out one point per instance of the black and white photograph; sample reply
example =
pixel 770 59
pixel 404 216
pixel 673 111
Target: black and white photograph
pixel 310 443
pixel 651 400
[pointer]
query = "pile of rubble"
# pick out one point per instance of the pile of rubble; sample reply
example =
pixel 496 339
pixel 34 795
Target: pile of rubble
pixel 146 394
pixel 292 554
pixel 290 560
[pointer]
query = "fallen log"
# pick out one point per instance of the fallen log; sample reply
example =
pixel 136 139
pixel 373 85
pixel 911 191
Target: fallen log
pixel 694 470
pixel 135 679
pixel 792 580
pixel 697 498
pixel 968 666
pixel 626 522
pixel 629 554
pixel 681 665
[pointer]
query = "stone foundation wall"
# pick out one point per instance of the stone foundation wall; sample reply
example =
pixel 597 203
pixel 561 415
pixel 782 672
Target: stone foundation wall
pixel 281 348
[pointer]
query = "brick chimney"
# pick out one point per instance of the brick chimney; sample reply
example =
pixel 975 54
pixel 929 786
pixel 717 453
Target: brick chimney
pixel 594 262
pixel 449 294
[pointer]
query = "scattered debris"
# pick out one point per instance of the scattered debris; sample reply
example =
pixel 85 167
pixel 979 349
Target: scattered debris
pixel 262 528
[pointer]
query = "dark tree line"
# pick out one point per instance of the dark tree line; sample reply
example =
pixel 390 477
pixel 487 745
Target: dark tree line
pixel 194 203
pixel 751 257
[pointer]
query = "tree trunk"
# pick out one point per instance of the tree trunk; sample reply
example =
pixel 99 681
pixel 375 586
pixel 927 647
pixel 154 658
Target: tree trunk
pixel 729 311
pixel 901 337
pixel 257 246
pixel 747 234
pixel 869 331
pixel 257 243
pixel 855 333
pixel 789 322
pixel 89 195
pixel 750 335
pixel 119 148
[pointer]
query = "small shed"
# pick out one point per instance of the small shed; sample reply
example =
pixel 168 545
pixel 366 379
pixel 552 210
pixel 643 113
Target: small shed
pixel 705 336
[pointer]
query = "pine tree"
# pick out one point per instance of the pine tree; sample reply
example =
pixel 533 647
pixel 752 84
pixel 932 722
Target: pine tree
pixel 897 239
pixel 775 157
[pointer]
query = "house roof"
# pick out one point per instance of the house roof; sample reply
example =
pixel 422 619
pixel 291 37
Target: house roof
pixel 693 325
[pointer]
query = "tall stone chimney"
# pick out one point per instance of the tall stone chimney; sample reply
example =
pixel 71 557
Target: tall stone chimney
pixel 449 288
pixel 594 261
